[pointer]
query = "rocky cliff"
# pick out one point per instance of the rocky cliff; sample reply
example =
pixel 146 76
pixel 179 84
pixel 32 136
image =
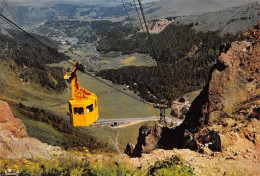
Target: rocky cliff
pixel 234 79
pixel 14 141
pixel 225 116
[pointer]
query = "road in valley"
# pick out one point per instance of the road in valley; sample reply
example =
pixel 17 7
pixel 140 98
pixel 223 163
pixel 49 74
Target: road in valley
pixel 145 119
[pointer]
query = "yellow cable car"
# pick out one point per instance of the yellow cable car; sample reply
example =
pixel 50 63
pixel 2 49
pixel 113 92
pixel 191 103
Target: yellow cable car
pixel 83 105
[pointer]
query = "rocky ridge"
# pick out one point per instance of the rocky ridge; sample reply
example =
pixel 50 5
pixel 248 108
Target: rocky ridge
pixel 15 142
pixel 223 121
pixel 234 79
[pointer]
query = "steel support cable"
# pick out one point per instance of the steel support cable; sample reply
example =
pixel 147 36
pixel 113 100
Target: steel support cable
pixel 27 34
pixel 133 29
pixel 127 14
pixel 3 19
pixel 147 29
pixel 148 33
pixel 11 23
pixel 142 27
pixel 19 28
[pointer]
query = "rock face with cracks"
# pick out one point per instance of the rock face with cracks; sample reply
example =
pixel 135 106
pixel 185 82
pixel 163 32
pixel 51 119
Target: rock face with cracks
pixel 14 141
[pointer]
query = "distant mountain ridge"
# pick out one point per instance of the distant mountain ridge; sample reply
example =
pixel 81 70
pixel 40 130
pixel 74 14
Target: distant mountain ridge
pixel 169 8
pixel 30 15
pixel 231 20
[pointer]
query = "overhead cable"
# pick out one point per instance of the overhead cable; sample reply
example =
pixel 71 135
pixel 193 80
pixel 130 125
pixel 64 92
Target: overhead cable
pixel 127 14
pixel 147 29
pixel 19 28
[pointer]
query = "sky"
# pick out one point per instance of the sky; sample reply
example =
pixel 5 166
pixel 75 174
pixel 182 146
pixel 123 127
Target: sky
pixel 41 2
pixel 68 0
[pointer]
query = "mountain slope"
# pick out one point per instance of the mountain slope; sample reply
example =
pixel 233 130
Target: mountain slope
pixel 31 16
pixel 231 20
pixel 170 8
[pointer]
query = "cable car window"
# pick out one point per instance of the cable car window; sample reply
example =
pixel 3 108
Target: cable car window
pixel 90 108
pixel 70 108
pixel 79 111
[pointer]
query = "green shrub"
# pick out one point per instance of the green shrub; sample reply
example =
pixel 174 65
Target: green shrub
pixel 67 167
pixel 93 167
pixel 113 170
pixel 173 167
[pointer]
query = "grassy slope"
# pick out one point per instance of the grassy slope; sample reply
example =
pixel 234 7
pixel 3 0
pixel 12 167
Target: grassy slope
pixel 128 135
pixel 112 104
pixel 13 91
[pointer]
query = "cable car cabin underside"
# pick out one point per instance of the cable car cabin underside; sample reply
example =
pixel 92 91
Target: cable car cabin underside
pixel 83 105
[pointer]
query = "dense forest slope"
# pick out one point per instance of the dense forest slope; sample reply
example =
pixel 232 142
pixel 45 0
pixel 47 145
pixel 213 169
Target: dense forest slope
pixel 31 57
pixel 184 58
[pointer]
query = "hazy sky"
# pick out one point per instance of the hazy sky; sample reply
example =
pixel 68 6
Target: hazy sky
pixel 87 2
pixel 67 0
pixel 40 2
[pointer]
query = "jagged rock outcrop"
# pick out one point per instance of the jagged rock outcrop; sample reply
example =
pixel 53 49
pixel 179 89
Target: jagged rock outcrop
pixel 155 136
pixel 9 123
pixel 129 149
pixel 148 139
pixel 14 141
pixel 234 79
